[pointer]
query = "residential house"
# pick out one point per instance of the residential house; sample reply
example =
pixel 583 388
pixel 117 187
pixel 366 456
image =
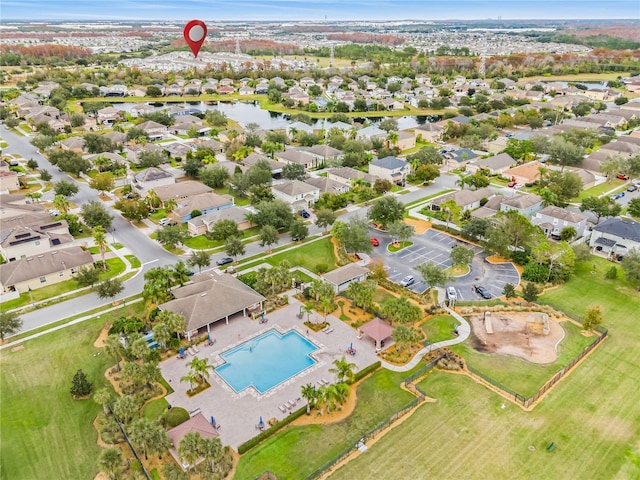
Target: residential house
pixel 459 158
pixel 349 176
pixel 429 132
pixel 150 179
pixel 615 237
pixel 526 204
pixel 43 269
pixel 210 144
pixel 74 144
pixel 496 146
pixel 588 179
pixel 298 194
pixel 342 277
pixel 113 158
pixel 21 238
pixel 495 164
pixel 246 90
pixel 155 130
pixel 212 297
pixel 390 168
pixel 140 109
pixel 177 150
pixel 465 198
pixel 325 154
pixel 276 167
pixel 327 185
pixel 371 132
pixel 525 173
pixel 181 190
pixel 296 127
pixel 307 160
pixel 204 223
pixel 8 178
pixel 107 115
pixel 406 140
pixel 554 219
pixel 118 139
pixel 203 203
pixel 392 104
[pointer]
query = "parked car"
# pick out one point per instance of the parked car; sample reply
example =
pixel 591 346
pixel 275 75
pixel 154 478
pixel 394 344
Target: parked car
pixel 407 281
pixel 224 261
pixel 512 184
pixel 375 242
pixel 451 293
pixel 622 176
pixel 483 292
pixel 617 196
pixel 164 222
pixel 304 214
pixel 632 188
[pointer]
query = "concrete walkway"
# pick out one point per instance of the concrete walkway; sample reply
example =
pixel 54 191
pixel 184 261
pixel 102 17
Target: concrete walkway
pixel 464 330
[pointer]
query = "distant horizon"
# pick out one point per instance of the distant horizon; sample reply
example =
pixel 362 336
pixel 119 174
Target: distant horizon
pixel 317 10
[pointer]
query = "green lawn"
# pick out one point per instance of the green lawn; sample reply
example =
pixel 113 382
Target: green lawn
pixel 598 190
pixel 44 433
pixel 201 242
pixel 308 255
pixel 592 415
pixel 297 451
pixel 439 328
pixel 133 260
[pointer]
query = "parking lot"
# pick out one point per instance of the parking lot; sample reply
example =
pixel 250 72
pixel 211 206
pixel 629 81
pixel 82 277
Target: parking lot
pixel 435 246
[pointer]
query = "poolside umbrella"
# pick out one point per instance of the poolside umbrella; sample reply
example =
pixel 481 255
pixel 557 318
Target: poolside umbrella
pixel 181 351
pixel 261 422
pixel 213 420
pixel 351 346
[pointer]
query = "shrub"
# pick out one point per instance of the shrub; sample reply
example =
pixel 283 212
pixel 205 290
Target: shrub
pixel 366 371
pixel 321 267
pixel 535 272
pixel 611 274
pixel 520 257
pixel 249 444
pixel 175 416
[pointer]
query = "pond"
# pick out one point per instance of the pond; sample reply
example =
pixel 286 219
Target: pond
pixel 249 112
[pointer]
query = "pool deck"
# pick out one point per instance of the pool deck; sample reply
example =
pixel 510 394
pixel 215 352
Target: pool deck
pixel 238 413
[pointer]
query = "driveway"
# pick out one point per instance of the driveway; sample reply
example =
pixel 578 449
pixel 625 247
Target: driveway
pixel 435 246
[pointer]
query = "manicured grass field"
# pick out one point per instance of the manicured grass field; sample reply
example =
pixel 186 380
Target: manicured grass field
pixel 598 190
pixel 44 433
pixel 592 415
pixel 308 255
pixel 439 328
pixel 297 451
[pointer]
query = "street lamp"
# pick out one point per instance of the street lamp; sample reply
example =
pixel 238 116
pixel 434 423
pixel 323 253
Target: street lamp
pixel 31 296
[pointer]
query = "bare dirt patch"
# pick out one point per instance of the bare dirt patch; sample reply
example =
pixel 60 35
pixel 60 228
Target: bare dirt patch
pixel 519 334
pixel 420 226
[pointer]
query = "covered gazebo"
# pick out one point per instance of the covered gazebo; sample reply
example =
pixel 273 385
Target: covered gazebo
pixel 377 329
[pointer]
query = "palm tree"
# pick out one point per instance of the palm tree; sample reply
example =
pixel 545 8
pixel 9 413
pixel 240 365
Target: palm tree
pixel 150 374
pixel 392 139
pixel 139 433
pixel 452 209
pixel 310 394
pixel 175 321
pixel 308 308
pixel 125 408
pixel 211 450
pixel 159 441
pixel 189 447
pixel 61 203
pixel 326 304
pixel 113 346
pixel 103 397
pixel 170 204
pixel 199 258
pixel 153 200
pixel 191 378
pixel 100 239
pixel 344 391
pixel 332 397
pixel 162 334
pixel 180 273
pixel 343 370
pixel 201 367
pixel 110 462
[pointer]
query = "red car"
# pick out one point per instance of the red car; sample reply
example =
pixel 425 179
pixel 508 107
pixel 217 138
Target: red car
pixel 375 242
pixel 512 184
pixel 622 176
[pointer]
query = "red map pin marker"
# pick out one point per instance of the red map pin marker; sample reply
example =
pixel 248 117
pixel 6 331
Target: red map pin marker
pixel 194 33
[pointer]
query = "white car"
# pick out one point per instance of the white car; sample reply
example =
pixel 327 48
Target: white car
pixel 451 293
pixel 407 281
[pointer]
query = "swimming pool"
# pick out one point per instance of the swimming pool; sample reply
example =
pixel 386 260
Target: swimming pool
pixel 266 361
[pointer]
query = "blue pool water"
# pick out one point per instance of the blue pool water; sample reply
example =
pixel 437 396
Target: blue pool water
pixel 266 361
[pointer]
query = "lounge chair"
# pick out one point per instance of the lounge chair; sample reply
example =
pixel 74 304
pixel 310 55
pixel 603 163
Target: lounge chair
pixel 292 402
pixel 324 382
pixel 191 351
pixel 195 349
pixel 282 408
pixel 326 328
pixel 329 330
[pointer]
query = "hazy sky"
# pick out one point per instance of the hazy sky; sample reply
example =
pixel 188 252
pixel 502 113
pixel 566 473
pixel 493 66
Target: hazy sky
pixel 212 10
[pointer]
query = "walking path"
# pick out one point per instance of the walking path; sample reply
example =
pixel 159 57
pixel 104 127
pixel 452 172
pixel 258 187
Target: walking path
pixel 464 330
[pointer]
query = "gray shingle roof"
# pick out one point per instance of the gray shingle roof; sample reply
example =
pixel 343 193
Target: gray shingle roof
pixel 390 163
pixel 627 229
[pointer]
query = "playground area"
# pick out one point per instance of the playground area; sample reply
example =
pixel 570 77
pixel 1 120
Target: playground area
pixel 532 336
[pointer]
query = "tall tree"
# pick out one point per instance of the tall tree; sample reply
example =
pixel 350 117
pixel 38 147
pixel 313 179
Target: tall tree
pixel 211 450
pixel 268 236
pixel 199 258
pixel 100 239
pixel 94 214
pixel 103 397
pixel 298 230
pixel 343 370
pixel 234 247
pixel 10 323
pixel 325 218
pixel 352 236
pixel 593 318
pixel 189 448
pixel 461 256
pixel 387 210
pixel 404 335
pixel 180 273
pixel 61 203
pixel 400 310
pixel 433 274
pixel 111 462
pixel 109 288
pixel 171 236
pixel 114 347
pixel 603 206
pixel 400 231
pixel 310 394
pixel 631 267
